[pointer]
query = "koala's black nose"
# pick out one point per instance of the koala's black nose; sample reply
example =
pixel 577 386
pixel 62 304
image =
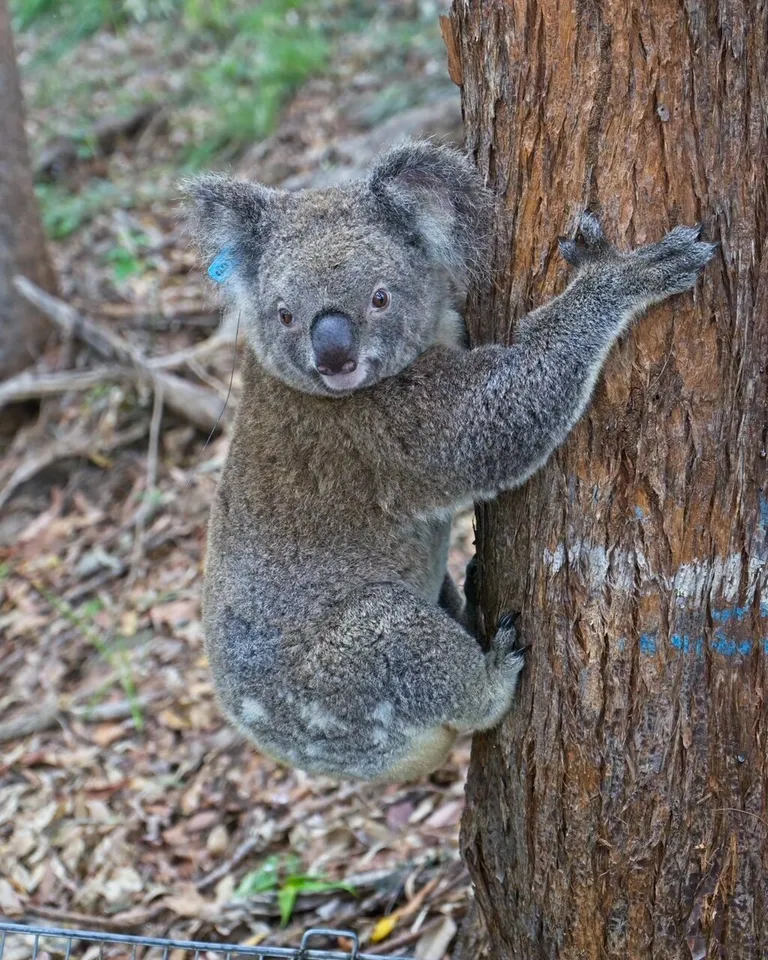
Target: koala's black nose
pixel 334 344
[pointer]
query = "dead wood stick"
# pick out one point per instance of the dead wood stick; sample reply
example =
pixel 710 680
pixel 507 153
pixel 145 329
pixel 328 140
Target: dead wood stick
pixel 63 152
pixel 197 404
pixel 104 341
pixel 77 445
pixel 147 507
pixel 222 338
pixel 128 920
pixel 48 715
pixel 30 386
pixel 44 717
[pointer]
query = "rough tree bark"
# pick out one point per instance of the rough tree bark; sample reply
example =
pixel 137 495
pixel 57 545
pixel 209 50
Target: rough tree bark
pixel 621 811
pixel 23 330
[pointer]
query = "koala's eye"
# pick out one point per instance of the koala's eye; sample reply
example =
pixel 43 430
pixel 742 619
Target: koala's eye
pixel 380 299
pixel 286 317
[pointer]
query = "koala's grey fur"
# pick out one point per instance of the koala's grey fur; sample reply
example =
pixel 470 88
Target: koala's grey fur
pixel 336 639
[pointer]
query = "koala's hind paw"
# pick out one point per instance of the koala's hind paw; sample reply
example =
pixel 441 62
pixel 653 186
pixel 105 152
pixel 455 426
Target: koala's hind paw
pixel 589 244
pixel 506 644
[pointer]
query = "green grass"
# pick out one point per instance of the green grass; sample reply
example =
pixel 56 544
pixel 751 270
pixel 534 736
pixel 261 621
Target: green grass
pixel 281 874
pixel 64 212
pixel 269 52
pixel 116 653
pixel 256 54
pixel 222 70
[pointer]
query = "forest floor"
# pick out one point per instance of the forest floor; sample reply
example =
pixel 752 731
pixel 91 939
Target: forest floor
pixel 126 803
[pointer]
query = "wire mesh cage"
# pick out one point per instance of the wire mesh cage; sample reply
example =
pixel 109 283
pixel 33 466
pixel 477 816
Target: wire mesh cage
pixel 21 942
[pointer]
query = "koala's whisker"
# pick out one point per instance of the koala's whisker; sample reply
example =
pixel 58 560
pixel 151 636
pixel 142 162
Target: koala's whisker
pixel 226 401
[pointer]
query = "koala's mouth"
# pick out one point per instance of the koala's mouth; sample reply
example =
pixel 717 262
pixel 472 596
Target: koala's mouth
pixel 344 382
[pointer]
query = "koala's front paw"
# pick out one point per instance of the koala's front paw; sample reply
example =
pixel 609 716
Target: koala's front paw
pixel 659 270
pixel 509 653
pixel 646 275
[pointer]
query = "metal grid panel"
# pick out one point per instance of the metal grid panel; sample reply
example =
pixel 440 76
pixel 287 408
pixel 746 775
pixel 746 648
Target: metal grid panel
pixel 19 942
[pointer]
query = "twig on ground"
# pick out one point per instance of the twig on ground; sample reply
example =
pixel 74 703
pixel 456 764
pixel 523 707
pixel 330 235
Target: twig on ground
pixel 64 152
pixel 51 712
pixel 75 444
pixel 128 920
pixel 30 386
pixel 197 404
pixel 43 718
pixel 222 338
pixel 144 512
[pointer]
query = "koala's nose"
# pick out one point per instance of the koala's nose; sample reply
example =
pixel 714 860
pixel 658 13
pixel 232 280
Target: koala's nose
pixel 334 345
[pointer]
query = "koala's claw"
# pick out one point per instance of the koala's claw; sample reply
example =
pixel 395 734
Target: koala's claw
pixel 506 640
pixel 509 621
pixel 589 244
pixel 672 265
pixel 471 581
pixel 591 231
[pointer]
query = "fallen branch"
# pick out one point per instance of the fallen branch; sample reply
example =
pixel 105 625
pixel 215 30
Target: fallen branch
pixel 79 445
pixel 147 507
pixel 64 152
pixel 222 338
pixel 119 923
pixel 197 404
pixel 30 386
pixel 52 712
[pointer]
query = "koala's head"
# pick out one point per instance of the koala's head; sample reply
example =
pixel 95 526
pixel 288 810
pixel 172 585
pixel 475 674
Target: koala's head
pixel 339 288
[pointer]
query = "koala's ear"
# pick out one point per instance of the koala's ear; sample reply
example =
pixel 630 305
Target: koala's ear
pixel 437 196
pixel 222 212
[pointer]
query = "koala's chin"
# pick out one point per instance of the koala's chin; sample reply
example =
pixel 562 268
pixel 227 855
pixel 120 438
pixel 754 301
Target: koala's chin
pixel 361 376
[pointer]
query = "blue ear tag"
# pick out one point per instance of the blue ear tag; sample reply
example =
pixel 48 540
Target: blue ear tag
pixel 223 266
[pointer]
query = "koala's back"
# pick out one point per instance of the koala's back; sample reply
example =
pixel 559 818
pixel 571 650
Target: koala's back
pixel 300 533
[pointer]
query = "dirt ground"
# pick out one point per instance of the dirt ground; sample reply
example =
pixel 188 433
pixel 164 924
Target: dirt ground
pixel 126 803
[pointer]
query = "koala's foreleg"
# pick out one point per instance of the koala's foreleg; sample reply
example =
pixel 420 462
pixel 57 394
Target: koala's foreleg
pixel 457 427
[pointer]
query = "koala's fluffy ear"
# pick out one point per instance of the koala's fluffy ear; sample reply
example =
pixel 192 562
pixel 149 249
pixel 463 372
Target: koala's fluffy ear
pixel 223 212
pixel 437 197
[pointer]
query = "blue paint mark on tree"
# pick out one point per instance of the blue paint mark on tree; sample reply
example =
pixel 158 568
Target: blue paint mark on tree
pixel 728 646
pixel 764 513
pixel 648 643
pixel 721 644
pixel 684 643
pixel 736 613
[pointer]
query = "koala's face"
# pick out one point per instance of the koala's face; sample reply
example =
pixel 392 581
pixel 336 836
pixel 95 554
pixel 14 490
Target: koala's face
pixel 340 288
pixel 338 301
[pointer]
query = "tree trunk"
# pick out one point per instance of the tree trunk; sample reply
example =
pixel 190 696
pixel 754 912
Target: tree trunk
pixel 621 810
pixel 23 330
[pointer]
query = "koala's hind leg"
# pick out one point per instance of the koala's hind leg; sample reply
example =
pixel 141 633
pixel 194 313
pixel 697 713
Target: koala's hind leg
pixel 402 679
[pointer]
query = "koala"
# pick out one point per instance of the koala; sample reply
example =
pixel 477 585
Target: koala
pixel 337 641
